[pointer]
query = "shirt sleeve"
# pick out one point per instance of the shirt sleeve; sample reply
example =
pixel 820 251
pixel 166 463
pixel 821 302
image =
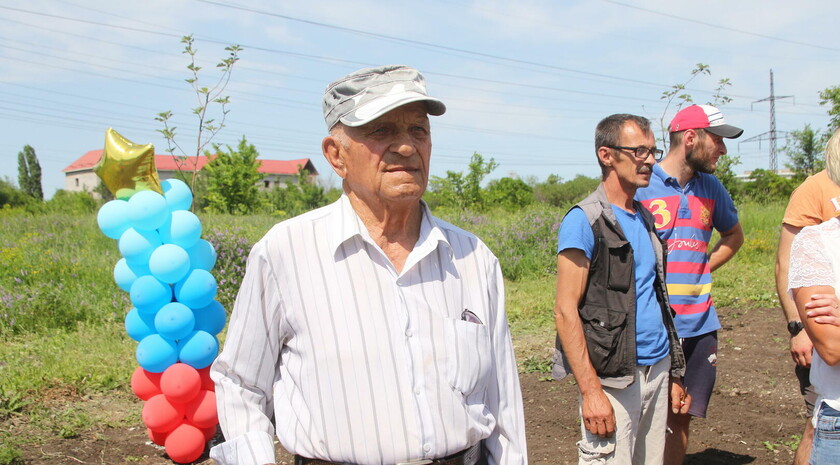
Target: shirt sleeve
pixel 803 209
pixel 244 373
pixel 506 444
pixel 725 214
pixel 576 233
pixel 810 265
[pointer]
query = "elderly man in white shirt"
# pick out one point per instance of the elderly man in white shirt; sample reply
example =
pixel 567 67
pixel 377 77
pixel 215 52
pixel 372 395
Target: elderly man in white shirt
pixel 369 332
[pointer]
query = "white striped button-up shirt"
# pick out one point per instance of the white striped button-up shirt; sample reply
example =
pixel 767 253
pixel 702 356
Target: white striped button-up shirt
pixel 361 364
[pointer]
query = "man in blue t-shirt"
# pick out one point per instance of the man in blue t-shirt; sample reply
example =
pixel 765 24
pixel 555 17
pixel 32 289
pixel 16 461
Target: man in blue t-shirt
pixel 688 203
pixel 614 322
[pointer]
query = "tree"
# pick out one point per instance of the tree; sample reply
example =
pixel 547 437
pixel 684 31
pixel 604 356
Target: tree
pixel 561 194
pixel 298 197
pixel 10 195
pixel 208 127
pixel 725 172
pixel 463 191
pixel 804 149
pixel 29 173
pixel 831 97
pixel 766 186
pixel 232 178
pixel 509 193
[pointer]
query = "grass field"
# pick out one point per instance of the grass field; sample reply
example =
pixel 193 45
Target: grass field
pixel 61 320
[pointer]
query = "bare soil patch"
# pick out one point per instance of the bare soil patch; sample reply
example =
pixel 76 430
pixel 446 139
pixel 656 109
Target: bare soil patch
pixel 755 414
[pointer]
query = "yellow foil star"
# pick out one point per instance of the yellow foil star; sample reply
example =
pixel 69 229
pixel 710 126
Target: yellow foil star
pixel 126 167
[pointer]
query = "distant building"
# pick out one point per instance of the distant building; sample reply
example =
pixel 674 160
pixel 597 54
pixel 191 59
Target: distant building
pixel 747 175
pixel 79 176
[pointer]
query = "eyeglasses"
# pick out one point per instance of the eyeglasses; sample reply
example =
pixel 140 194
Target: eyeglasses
pixel 641 152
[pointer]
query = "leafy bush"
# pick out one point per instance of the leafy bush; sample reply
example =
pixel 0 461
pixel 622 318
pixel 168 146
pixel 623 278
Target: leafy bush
pixel 232 250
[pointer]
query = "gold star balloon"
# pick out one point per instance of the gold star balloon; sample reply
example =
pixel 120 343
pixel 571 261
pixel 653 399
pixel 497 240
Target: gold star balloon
pixel 126 167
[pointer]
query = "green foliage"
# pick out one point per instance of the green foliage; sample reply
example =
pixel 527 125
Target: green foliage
pixel 831 98
pixel 534 364
pixel 297 197
pixel 9 454
pixel 766 187
pixel 208 97
pixel 725 173
pixel 232 249
pixel 29 173
pixel 11 196
pixel 509 193
pixel 231 179
pixel 804 149
pixel 459 190
pixel 564 194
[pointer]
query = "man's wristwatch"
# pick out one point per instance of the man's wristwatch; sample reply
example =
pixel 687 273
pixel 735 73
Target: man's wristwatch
pixel 794 327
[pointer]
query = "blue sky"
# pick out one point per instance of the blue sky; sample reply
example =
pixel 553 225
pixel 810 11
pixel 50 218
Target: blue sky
pixel 525 82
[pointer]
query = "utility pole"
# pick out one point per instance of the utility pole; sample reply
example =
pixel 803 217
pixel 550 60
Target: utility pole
pixel 772 135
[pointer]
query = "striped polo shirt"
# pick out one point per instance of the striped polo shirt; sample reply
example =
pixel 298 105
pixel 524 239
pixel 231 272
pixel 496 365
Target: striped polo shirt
pixel 685 218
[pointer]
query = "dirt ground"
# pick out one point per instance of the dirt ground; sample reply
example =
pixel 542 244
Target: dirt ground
pixel 755 416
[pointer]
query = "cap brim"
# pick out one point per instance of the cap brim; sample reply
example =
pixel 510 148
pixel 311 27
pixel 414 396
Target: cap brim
pixel 725 130
pixel 378 107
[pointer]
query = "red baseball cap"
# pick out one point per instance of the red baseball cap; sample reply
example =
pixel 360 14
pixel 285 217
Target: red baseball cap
pixel 704 117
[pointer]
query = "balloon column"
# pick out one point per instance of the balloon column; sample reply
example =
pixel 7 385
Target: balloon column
pixel 165 268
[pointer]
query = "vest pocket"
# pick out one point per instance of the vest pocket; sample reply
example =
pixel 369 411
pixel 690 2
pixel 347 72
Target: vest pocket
pixel 604 328
pixel 620 265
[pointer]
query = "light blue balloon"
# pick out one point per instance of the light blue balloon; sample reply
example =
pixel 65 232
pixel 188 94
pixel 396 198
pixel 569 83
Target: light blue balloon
pixel 113 219
pixel 169 263
pixel 211 318
pixel 182 228
pixel 196 290
pixel 202 255
pixel 198 350
pixel 149 295
pixel 124 276
pixel 177 194
pixel 155 353
pixel 174 321
pixel 147 210
pixel 139 268
pixel 139 325
pixel 137 246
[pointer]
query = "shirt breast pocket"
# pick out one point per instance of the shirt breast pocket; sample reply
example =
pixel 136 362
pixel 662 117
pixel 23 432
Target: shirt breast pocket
pixel 470 357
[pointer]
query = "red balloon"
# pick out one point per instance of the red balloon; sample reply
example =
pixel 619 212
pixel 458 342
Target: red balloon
pixel 201 411
pixel 145 384
pixel 157 438
pixel 161 415
pixel 185 443
pixel 180 383
pixel 206 383
pixel 209 433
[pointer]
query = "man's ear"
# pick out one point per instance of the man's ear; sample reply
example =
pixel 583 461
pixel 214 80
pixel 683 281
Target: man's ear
pixel 605 155
pixel 333 151
pixel 689 138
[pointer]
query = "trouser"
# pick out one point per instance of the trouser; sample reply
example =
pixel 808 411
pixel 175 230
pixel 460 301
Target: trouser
pixel 641 413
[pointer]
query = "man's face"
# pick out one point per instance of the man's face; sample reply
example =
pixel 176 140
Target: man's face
pixel 387 160
pixel 631 170
pixel 704 154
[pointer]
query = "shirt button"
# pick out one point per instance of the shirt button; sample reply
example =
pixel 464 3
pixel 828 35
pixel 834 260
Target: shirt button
pixel 408 333
pixel 417 392
pixel 427 448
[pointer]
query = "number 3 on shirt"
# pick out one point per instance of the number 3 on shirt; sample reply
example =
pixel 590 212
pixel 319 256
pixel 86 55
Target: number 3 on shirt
pixel 659 209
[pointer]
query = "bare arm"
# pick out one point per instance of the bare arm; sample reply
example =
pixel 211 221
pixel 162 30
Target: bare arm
pixel 572 270
pixel 726 247
pixel 826 337
pixel 800 345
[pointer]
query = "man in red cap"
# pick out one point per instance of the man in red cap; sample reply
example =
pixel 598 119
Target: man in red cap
pixel 688 203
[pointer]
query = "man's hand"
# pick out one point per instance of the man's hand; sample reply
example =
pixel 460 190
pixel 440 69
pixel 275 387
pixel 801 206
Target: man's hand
pixel 598 414
pixel 801 348
pixel 680 400
pixel 823 309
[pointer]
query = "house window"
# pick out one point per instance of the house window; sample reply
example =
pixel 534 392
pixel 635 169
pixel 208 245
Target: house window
pixel 77 182
pixel 267 184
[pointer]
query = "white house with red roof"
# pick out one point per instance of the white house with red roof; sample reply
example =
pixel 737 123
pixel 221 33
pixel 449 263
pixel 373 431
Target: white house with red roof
pixel 79 176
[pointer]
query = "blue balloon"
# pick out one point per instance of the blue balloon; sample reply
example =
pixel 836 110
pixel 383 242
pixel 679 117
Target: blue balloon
pixel 177 194
pixel 147 210
pixel 113 219
pixel 169 263
pixel 202 255
pixel 174 321
pixel 149 295
pixel 183 228
pixel 155 353
pixel 198 350
pixel 196 290
pixel 124 275
pixel 211 318
pixel 139 325
pixel 137 246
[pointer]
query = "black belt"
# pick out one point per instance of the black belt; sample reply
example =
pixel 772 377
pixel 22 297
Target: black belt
pixel 469 456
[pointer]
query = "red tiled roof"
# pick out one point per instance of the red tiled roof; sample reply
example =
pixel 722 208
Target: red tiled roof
pixel 172 163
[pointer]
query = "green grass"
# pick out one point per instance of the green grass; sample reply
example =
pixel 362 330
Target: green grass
pixel 61 315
